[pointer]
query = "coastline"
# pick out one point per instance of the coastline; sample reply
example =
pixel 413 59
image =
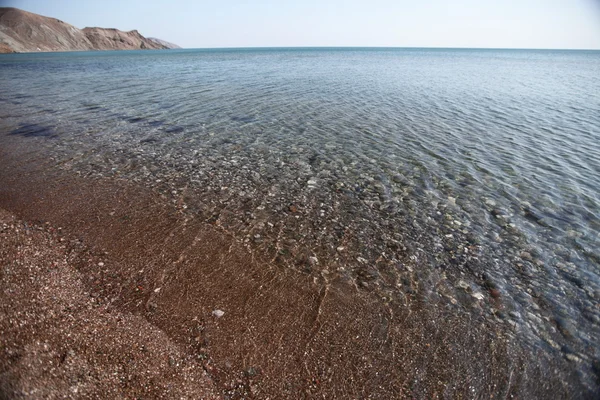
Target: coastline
pixel 283 333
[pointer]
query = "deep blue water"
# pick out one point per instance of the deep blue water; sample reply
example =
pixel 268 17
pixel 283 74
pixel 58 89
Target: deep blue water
pixel 466 170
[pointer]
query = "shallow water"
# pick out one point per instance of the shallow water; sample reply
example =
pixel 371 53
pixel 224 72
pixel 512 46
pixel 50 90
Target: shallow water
pixel 469 178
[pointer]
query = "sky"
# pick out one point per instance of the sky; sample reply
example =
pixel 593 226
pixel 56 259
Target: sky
pixel 558 24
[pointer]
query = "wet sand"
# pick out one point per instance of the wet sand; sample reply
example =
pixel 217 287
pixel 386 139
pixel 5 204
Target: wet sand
pixel 109 289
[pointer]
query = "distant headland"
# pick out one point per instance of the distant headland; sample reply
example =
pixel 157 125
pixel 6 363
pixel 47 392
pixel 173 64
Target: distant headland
pixel 24 32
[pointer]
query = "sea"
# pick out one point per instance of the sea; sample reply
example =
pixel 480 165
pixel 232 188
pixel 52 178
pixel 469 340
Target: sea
pixel 467 177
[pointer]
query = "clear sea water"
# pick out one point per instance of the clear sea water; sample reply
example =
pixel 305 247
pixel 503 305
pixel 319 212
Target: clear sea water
pixel 469 177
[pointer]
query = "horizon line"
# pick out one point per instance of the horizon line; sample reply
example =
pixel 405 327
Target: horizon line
pixel 387 47
pixel 248 48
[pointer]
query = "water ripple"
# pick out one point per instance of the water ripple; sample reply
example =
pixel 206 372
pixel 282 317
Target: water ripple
pixel 484 164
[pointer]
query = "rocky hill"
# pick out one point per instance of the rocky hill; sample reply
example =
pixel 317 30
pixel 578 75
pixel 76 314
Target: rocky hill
pixel 22 31
pixel 114 39
pixel 165 43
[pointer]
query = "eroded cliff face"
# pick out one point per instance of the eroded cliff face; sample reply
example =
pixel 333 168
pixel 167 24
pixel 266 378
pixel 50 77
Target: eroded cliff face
pixel 114 39
pixel 5 48
pixel 22 31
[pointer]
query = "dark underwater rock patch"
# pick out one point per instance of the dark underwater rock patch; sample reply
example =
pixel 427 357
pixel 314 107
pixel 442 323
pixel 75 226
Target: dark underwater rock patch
pixel 174 129
pixel 34 130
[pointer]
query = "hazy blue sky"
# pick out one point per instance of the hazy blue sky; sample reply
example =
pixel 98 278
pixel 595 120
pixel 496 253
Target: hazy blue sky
pixel 427 23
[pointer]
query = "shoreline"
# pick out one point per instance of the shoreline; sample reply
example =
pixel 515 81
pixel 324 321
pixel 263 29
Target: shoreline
pixel 60 339
pixel 283 333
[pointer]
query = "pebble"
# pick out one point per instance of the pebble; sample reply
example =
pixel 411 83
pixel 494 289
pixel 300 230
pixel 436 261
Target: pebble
pixel 564 327
pixel 478 295
pixel 561 266
pixel 218 313
pixel 490 202
pixel 551 342
pixel 526 256
pixel 572 357
pixel 573 234
pixel 101 264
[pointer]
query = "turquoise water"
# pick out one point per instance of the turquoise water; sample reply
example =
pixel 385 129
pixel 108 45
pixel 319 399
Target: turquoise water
pixel 468 176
